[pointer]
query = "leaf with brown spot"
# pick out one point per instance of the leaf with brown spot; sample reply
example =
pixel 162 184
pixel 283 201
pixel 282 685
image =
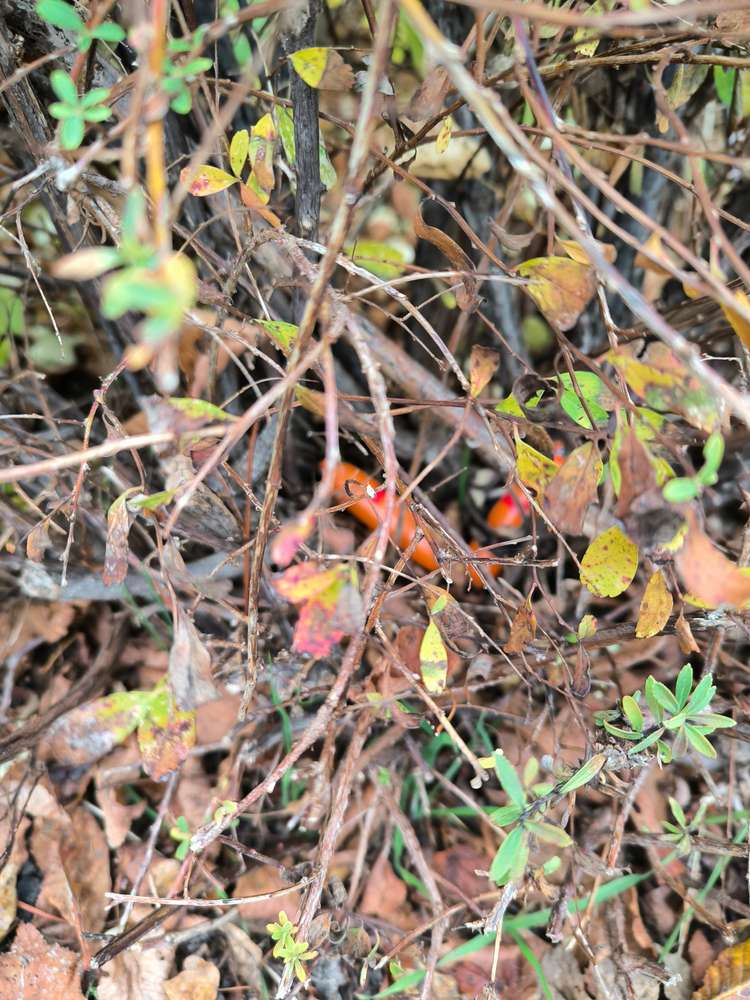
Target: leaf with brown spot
pixel 609 563
pixel 466 295
pixel 561 288
pixel 483 364
pixel 206 180
pixel 89 732
pixel 728 978
pixel 656 607
pixel 523 629
pixel 323 69
pixel 573 488
pixel 166 736
pixel 706 573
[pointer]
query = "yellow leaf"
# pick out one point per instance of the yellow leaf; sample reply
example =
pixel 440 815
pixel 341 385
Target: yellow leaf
pixel 444 135
pixel 534 469
pixel 205 180
pixel 738 322
pixel 323 69
pixel 561 288
pixel 587 627
pixel 655 248
pixel 265 128
pixel 656 607
pixel 238 149
pixel 609 563
pixel 574 250
pixel 433 660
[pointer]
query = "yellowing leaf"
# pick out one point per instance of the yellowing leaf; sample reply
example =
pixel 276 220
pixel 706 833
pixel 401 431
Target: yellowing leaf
pixel 482 366
pixel 656 249
pixel 738 322
pixel 587 627
pixel 656 607
pixel 575 251
pixel 282 334
pixel 686 81
pixel 323 69
pixel 238 150
pixel 666 384
pixel 534 469
pixel 433 660
pixel 205 180
pixel 166 736
pixel 444 135
pixel 573 488
pixel 523 628
pixel 561 288
pixel 116 552
pixel 609 563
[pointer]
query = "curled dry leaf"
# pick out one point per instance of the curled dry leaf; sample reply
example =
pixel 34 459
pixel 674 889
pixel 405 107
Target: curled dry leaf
pixel 561 288
pixel 428 98
pixel 38 541
pixel 466 296
pixel 573 488
pixel 576 251
pixel 609 563
pixel 33 969
pixel 523 628
pixel 483 364
pixel 190 677
pixel 117 551
pixel 656 607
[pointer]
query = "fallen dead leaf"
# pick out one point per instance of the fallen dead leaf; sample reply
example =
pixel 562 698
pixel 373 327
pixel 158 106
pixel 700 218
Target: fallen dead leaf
pixel 706 572
pixel 140 971
pixel 262 879
pixel 33 969
pixel 199 980
pixel 573 488
pixel 385 894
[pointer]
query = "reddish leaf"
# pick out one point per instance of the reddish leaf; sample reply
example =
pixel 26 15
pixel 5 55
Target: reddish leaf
pixel 706 572
pixel 331 605
pixel 290 537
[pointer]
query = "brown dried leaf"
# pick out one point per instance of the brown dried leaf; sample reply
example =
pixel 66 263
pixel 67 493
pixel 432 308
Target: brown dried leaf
pixel 33 969
pixel 637 475
pixel 483 364
pixel 37 541
pixel 190 677
pixel 245 957
pixel 199 980
pixel 573 488
pixel 8 897
pixel 263 879
pixel 685 636
pixel 74 857
pixel 385 893
pixel 523 629
pixel 117 551
pixel 428 99
pixel 466 296
pixel 139 971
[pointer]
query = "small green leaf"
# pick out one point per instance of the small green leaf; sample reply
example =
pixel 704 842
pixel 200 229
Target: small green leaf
pixel 664 697
pixel 647 742
pixel 63 86
pixel 507 855
pixel 701 697
pixel 632 712
pixel 724 77
pixel 549 833
pixel 712 720
pixel 61 15
pixel 282 334
pixel 584 774
pixel 506 815
pixel 508 778
pixel 109 32
pixel 677 811
pixel 698 741
pixel 683 685
pixel 199 409
pixel 72 131
pixel 682 489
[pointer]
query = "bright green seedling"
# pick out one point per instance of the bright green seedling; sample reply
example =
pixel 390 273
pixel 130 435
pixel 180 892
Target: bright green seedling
pixel 181 833
pixel 64 16
pixel 291 951
pixel 527 800
pixel 674 723
pixel 74 111
pixel 178 75
pixel 680 832
pixel 686 488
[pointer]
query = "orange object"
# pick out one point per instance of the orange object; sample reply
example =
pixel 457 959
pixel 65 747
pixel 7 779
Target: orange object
pixel 494 569
pixel 366 501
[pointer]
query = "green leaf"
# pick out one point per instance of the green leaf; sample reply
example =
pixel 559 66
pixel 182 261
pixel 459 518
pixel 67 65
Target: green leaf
pixel 724 77
pixel 682 489
pixel 593 391
pixel 505 815
pixel 199 409
pixel 648 742
pixel 72 132
pixel 549 833
pixel 282 334
pixel 11 313
pixel 664 697
pixel 712 720
pixel 632 712
pixel 584 774
pixel 238 150
pixel 97 114
pixel 698 741
pixel 508 778
pixel 507 855
pixel 677 811
pixel 655 708
pixel 94 97
pixel 63 86
pixel 683 685
pixel 109 32
pixel 700 699
pixel 60 14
